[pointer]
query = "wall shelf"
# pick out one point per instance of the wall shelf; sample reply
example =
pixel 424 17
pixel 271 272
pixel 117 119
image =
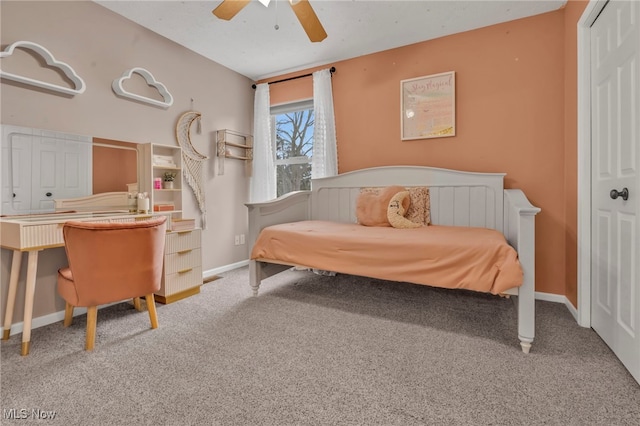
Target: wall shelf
pixel 70 73
pixel 233 145
pixel 118 88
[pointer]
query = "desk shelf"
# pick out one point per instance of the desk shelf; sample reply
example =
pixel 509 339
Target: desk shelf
pixel 158 159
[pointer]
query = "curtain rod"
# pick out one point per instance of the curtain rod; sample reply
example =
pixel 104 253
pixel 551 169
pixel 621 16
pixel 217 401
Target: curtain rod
pixel 331 70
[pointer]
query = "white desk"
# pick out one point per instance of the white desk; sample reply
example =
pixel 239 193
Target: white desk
pixel 33 234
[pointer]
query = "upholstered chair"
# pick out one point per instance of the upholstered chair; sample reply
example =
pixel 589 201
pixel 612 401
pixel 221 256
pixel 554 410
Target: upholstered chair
pixel 111 262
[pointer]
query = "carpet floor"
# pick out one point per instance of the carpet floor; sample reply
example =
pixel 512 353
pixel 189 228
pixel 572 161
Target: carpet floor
pixel 318 350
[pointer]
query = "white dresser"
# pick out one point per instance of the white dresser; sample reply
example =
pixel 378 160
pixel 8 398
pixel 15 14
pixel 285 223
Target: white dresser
pixel 182 272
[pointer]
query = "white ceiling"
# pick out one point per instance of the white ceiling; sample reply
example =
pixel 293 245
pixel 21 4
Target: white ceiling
pixel 250 45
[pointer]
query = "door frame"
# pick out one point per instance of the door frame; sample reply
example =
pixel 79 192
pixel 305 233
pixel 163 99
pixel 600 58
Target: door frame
pixel 587 19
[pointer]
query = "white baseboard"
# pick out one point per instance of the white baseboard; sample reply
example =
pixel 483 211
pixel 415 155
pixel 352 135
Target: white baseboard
pixel 550 297
pixel 558 298
pixel 215 271
pixel 572 309
pixel 59 316
pixel 47 319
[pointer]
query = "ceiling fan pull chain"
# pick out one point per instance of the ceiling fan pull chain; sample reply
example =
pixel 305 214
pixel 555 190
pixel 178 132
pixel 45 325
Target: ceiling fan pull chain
pixel 276 26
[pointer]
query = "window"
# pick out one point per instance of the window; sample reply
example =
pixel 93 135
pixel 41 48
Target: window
pixel 292 125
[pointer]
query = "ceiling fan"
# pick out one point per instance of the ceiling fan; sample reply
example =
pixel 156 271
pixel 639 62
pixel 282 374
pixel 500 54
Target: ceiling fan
pixel 302 8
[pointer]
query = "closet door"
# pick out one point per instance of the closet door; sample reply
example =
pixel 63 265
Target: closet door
pixel 16 172
pixel 61 169
pixel 615 255
pixel 39 166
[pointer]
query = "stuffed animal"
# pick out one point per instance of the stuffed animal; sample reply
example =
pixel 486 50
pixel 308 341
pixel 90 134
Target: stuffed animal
pixel 397 210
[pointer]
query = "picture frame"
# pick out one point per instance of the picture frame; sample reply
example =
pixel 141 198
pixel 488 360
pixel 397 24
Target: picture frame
pixel 428 106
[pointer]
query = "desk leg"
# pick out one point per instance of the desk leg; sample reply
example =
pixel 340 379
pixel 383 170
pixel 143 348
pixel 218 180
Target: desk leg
pixel 16 262
pixel 32 268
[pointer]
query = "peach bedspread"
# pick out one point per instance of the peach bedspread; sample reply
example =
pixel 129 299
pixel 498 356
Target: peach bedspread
pixel 476 259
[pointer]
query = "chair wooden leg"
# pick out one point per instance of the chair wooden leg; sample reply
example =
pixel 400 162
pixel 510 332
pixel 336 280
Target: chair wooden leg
pixel 151 307
pixel 68 314
pixel 136 304
pixel 92 319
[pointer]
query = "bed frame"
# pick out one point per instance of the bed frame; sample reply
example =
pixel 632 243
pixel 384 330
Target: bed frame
pixel 458 198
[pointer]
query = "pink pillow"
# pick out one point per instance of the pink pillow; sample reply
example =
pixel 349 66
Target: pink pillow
pixel 371 207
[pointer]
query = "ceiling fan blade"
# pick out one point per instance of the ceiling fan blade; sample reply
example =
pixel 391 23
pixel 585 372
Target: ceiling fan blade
pixel 229 8
pixel 309 20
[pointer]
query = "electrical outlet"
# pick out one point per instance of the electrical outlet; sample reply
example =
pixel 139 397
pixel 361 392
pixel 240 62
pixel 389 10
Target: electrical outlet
pixel 237 240
pixel 241 239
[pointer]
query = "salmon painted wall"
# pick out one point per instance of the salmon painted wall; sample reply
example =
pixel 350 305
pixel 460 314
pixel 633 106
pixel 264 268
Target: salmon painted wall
pixel 510 117
pixel 113 169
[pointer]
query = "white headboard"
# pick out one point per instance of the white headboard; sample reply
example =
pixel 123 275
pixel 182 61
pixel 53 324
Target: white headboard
pixel 102 201
pixel 457 198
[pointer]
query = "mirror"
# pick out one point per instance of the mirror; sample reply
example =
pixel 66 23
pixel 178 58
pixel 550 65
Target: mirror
pixel 40 166
pixel 115 166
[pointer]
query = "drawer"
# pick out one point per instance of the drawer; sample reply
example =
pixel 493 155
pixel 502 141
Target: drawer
pixel 182 261
pixel 180 241
pixel 180 281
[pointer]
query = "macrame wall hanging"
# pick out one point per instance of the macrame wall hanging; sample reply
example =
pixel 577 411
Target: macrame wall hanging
pixel 192 160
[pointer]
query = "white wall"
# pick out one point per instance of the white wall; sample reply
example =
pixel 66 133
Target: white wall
pixel 100 45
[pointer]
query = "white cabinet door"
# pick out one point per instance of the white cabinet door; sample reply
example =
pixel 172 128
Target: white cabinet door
pixel 615 256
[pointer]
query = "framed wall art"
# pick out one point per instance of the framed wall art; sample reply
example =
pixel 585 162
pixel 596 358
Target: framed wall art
pixel 428 106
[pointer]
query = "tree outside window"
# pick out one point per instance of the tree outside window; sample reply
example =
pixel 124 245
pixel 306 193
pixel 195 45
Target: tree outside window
pixel 293 149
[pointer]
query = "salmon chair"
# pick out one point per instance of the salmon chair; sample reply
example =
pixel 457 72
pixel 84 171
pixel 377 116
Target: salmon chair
pixel 111 262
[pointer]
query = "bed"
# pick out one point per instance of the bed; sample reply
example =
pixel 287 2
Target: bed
pixel 481 237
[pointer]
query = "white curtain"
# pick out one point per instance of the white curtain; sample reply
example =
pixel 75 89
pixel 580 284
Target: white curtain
pixel 325 153
pixel 263 180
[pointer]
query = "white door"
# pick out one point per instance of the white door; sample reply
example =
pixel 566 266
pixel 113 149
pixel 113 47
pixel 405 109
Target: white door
pixel 16 172
pixel 40 166
pixel 60 170
pixel 615 225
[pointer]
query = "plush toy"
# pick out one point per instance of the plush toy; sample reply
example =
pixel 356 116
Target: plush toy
pixel 397 210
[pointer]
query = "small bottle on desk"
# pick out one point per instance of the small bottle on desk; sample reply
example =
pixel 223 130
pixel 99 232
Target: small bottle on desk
pixel 143 203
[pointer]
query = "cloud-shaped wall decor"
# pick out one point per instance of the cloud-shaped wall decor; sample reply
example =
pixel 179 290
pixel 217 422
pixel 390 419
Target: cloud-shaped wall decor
pixel 151 81
pixel 52 62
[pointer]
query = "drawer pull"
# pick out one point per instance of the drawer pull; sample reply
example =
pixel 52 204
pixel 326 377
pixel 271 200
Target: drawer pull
pixel 185 251
pixel 184 271
pixel 185 232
